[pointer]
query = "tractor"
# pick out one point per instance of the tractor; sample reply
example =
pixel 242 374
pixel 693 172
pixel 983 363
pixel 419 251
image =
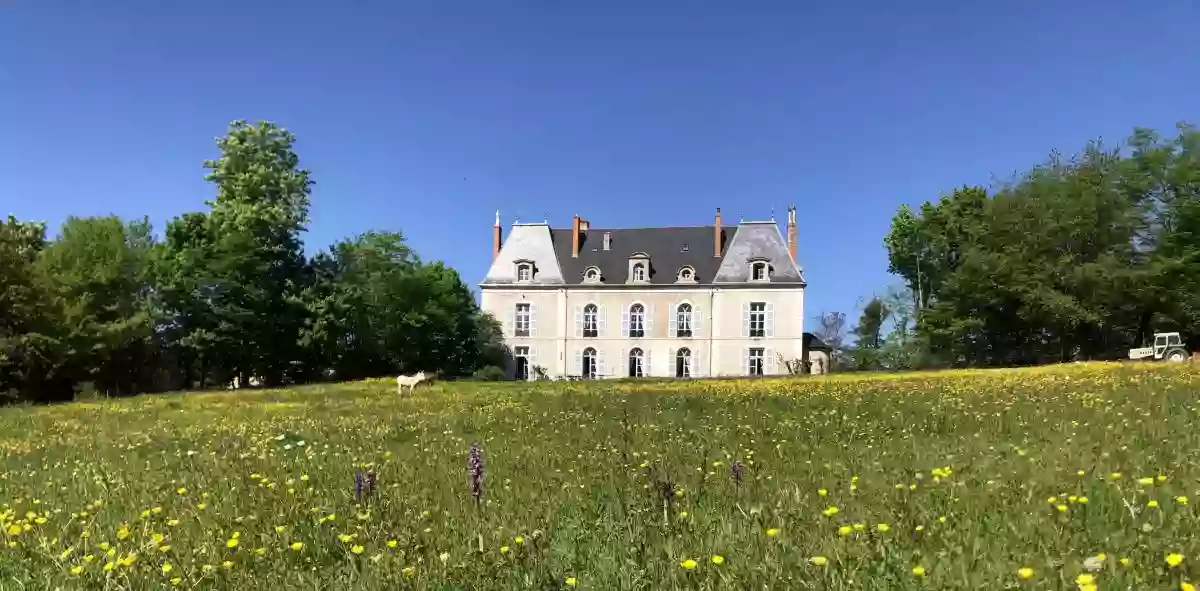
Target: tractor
pixel 1168 346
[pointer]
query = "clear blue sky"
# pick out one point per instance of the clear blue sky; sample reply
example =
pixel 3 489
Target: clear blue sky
pixel 428 116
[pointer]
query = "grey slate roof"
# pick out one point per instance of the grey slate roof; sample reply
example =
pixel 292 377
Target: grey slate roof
pixel 664 246
pixel 757 240
pixel 814 343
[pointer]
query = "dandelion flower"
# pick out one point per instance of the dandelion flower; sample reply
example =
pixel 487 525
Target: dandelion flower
pixel 1186 586
pixel 1182 500
pixel 1025 573
pixel 688 564
pixel 845 530
pixel 818 561
pixel 77 570
pixel 918 571
pixel 519 540
pixel 882 528
pixel 1152 504
pixel 356 549
pixel 772 532
pixel 297 546
pixel 166 567
pixel 231 543
pixel 1174 559
pixel 718 559
pixel 830 511
pixel 1085 579
pixel 392 543
pixel 570 581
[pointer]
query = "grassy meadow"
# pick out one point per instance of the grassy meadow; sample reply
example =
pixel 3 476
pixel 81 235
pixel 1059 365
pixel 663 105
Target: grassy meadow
pixel 1070 477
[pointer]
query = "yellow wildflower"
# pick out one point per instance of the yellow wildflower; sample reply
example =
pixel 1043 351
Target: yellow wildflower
pixel 688 564
pixel 718 559
pixel 1025 573
pixel 818 560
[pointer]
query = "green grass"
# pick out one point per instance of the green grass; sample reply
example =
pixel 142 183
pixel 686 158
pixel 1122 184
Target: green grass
pixel 960 466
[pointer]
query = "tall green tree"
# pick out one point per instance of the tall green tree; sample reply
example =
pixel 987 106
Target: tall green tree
pixel 97 275
pixel 30 352
pixel 865 354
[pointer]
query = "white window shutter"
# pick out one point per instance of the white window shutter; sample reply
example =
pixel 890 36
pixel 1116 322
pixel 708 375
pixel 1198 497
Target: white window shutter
pixel 602 321
pixel 512 322
pixel 601 370
pixel 745 361
pixel 696 322
pixel 673 322
pixel 646 363
pixel 697 368
pixel 625 323
pixel 624 371
pixel 769 362
pixel 648 320
pixel 770 328
pixel 578 322
pixel 532 320
pixel 578 362
pixel 745 320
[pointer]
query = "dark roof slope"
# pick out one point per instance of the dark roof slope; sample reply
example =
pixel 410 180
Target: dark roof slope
pixel 664 246
pixel 814 343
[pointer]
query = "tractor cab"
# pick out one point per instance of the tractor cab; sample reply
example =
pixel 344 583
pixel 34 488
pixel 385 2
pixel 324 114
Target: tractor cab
pixel 1167 346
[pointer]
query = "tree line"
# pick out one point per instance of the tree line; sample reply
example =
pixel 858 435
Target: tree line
pixel 106 306
pixel 1079 258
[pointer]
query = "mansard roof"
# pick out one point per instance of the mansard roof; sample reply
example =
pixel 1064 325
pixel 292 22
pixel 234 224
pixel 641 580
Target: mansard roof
pixel 669 250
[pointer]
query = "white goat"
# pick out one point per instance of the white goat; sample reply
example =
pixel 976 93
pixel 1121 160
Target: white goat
pixel 409 382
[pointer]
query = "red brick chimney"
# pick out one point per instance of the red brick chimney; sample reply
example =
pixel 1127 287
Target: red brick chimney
pixel 791 228
pixel 496 237
pixel 717 235
pixel 575 237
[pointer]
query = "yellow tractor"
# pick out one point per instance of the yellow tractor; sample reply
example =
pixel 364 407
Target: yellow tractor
pixel 1168 346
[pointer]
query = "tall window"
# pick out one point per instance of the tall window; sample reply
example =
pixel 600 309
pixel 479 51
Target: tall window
pixel 759 271
pixel 683 320
pixel 522 357
pixel 683 363
pixel 589 362
pixel 524 318
pixel 639 272
pixel 758 319
pixel 524 272
pixel 591 320
pixel 637 365
pixel 756 361
pixel 637 320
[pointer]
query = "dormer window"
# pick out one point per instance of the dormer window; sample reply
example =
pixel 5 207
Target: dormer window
pixel 639 268
pixel 592 275
pixel 760 271
pixel 686 275
pixel 524 271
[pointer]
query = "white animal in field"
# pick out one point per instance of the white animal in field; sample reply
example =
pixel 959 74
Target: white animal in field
pixel 409 382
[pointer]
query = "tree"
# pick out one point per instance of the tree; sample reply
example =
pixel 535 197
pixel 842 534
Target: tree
pixel 29 350
pixel 831 328
pixel 864 355
pixel 97 276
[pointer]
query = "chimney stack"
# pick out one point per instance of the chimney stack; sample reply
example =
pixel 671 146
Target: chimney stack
pixel 791 228
pixel 717 235
pixel 575 237
pixel 496 238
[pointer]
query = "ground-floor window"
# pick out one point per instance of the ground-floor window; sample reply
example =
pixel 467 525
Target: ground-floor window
pixel 683 363
pixel 522 358
pixel 637 365
pixel 755 361
pixel 588 361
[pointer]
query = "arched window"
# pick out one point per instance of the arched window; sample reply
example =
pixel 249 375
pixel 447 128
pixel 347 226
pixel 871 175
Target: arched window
pixel 637 320
pixel 592 274
pixel 637 367
pixel 683 363
pixel 683 320
pixel 591 320
pixel 588 371
pixel 687 274
pixel 639 272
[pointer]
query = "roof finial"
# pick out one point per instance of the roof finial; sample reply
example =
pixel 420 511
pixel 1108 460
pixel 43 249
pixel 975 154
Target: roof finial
pixel 741 217
pixel 497 218
pixel 772 213
pixel 547 220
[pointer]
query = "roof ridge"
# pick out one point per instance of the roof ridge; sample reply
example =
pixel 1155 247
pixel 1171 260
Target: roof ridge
pixel 591 229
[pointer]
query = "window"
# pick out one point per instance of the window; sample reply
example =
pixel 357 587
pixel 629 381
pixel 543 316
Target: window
pixel 591 320
pixel 637 321
pixel 687 274
pixel 755 361
pixel 523 320
pixel 524 272
pixel 758 319
pixel 637 366
pixel 683 320
pixel 592 274
pixel 639 272
pixel 522 358
pixel 588 366
pixel 683 363
pixel 759 271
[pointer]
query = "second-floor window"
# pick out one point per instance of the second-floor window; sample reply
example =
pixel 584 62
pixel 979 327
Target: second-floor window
pixel 683 320
pixel 591 320
pixel 523 320
pixel 637 320
pixel 758 319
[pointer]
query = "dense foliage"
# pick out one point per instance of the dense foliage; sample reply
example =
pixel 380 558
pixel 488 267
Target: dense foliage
pixel 227 293
pixel 1038 478
pixel 1080 258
